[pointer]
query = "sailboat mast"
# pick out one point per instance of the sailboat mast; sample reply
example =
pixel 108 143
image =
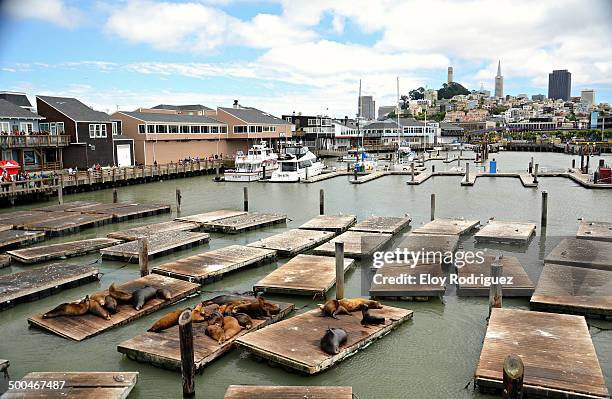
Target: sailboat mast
pixel 358 116
pixel 401 132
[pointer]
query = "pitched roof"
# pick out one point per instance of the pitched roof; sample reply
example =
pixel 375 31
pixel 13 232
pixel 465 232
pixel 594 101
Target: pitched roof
pixel 19 99
pixel 171 118
pixel 74 109
pixel 253 115
pixel 386 124
pixel 10 110
pixel 194 107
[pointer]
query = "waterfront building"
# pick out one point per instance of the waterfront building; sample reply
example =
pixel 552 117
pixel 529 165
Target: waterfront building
pixel 346 134
pixel 559 84
pixel 412 131
pixel 499 82
pixel 196 109
pixel 367 108
pixel 450 133
pixel 317 130
pixel 18 98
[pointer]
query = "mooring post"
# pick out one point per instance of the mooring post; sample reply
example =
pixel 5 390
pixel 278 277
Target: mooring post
pixel 531 166
pixel 217 172
pixel 339 270
pixel 263 172
pixel 348 167
pixel 178 200
pixel 535 173
pixel 245 195
pixel 321 202
pixel 115 196
pixel 433 207
pixel 588 158
pixel 514 371
pixel 60 190
pixel 574 163
pixel 467 172
pixel 306 173
pixel 187 357
pixel 412 171
pixel 143 256
pixel 544 208
pixel 355 171
pixel 433 168
pixel 495 290
pixel 581 162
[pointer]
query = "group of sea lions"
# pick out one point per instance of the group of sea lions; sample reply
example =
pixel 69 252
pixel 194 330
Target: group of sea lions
pixel 103 305
pixel 225 316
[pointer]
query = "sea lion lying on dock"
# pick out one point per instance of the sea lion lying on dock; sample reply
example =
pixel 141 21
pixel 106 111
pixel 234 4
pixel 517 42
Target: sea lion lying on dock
pixel 119 295
pixel 163 293
pixel 216 332
pixel 334 307
pixel 368 319
pixel 167 321
pixel 100 298
pixel 258 309
pixel 110 304
pixel 333 338
pixel 142 295
pixel 98 310
pixel 231 327
pixel 244 320
pixel 69 309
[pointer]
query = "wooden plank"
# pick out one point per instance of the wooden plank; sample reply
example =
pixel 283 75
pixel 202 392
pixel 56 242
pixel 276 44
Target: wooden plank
pixel 591 230
pixel 506 232
pixel 511 267
pixel 335 223
pixel 556 349
pixel 303 275
pixel 62 250
pixel 79 328
pixel 383 224
pixel 159 244
pixel 398 279
pixel 293 242
pixel 151 229
pixel 576 290
pixel 287 392
pixel 137 210
pixel 247 221
pixel 77 385
pixel 429 247
pixel 5 261
pixel 68 223
pixel 582 253
pixel 357 244
pixel 162 349
pixel 295 342
pixel 211 265
pixel 206 217
pixel 16 219
pixel 67 206
pixel 14 238
pixel 5 227
pixel 35 284
pixel 98 207
pixel 446 226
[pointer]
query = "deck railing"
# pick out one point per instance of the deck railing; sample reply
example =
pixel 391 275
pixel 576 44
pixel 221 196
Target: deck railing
pixel 25 141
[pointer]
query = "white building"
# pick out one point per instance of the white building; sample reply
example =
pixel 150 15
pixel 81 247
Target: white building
pixel 587 96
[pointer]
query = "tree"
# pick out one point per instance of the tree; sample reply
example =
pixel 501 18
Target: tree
pixel 417 94
pixel 449 90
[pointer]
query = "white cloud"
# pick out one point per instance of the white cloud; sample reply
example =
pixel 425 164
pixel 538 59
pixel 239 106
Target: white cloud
pixel 53 11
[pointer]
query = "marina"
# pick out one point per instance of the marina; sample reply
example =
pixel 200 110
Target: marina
pixel 401 281
pixel 357 244
pixel 282 392
pixel 582 253
pixel 244 222
pixel 336 223
pixel 383 224
pixel 519 285
pixel 600 231
pixel 61 251
pixel 158 245
pixel 506 232
pixel 293 242
pixel 444 226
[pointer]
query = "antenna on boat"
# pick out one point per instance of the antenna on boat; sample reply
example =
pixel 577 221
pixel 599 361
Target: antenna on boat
pixel 358 116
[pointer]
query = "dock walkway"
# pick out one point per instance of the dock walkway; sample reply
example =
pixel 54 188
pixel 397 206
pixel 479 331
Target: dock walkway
pixel 158 245
pixel 591 230
pixel 62 250
pixel 244 222
pixel 582 253
pixel 336 223
pixel 293 242
pixel 383 224
pixel 521 285
pixel 506 232
pixel 285 392
pixel 357 244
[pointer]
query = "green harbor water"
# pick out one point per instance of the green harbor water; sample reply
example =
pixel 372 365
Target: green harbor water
pixel 432 356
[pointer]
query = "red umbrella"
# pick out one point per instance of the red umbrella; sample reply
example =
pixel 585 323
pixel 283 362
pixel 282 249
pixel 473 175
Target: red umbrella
pixel 11 167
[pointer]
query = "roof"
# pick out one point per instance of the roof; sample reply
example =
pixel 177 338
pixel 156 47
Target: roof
pixel 450 126
pixel 350 124
pixel 171 118
pixel 253 115
pixel 19 99
pixel 193 107
pixel 10 110
pixel 386 124
pixel 74 109
pixel 411 122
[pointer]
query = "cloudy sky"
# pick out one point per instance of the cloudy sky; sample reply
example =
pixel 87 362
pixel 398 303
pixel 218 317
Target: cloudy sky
pixel 296 55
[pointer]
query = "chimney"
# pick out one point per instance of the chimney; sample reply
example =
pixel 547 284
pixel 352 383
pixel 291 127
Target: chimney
pixel 345 120
pixel 236 106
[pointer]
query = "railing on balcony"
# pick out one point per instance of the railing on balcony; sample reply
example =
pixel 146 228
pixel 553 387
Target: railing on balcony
pixel 26 141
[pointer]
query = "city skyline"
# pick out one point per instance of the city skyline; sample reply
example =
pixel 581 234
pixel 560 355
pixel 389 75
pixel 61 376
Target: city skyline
pixel 285 56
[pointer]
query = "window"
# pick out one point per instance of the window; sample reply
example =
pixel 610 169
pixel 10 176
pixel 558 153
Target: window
pixel 184 129
pixel 42 127
pixel 5 127
pixel 195 129
pixel 27 127
pixel 141 129
pixel 223 129
pixel 266 128
pixel 173 129
pixel 288 119
pixel 102 130
pixel 162 129
pixel 259 129
pixel 240 129
pixel 272 128
pixel 252 129
pixel 214 129
pixel 114 128
pixel 92 130
pixel 204 129
pixel 60 127
pixel 312 122
pixel 150 128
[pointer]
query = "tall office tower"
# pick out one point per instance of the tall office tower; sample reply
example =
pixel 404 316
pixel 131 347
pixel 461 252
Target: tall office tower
pixel 499 82
pixel 559 84
pixel 367 107
pixel 587 96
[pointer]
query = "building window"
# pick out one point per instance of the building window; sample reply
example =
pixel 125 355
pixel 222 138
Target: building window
pixel 173 129
pixel 259 129
pixel 312 122
pixel 60 127
pixel 252 129
pixel 223 129
pixel 27 127
pixel 162 129
pixel 214 129
pixel 114 128
pixel 150 128
pixel 102 131
pixel 141 129
pixel 240 129
pixel 184 129
pixel 288 119
pixel 204 129
pixel 195 129
pixel 5 127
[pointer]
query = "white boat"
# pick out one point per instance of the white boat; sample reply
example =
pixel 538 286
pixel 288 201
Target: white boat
pixel 297 163
pixel 250 167
pixel 405 153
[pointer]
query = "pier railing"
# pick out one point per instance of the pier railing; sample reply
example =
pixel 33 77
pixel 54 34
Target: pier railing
pixel 24 141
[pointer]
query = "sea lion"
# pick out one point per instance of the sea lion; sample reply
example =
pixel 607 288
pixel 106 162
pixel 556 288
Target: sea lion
pixel 208 309
pixel 215 318
pixel 256 309
pixel 272 308
pixel 231 327
pixel 163 293
pixel 167 321
pixel 333 308
pixel 119 295
pixel 69 309
pixel 244 320
pixel 142 295
pixel 368 319
pixel 354 304
pixel 196 315
pixel 216 332
pixel 98 310
pixel 333 338
pixel 100 298
pixel 110 304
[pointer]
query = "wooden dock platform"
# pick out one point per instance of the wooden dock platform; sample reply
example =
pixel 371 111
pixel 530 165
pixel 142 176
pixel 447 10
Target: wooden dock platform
pixel 16 238
pixel 447 226
pixel 38 283
pixel 134 211
pixel 206 217
pixel 151 229
pixel 506 232
pixel 302 275
pixel 582 253
pixel 574 290
pixel 285 392
pixel 336 223
pixel 590 230
pixel 62 250
pixel 67 223
pixel 399 280
pixel 5 261
pixel 511 267
pixel 293 242
pixel 422 244
pixel 357 244
pixel 212 265
pixel 159 244
pixel 18 218
pixel 325 176
pixel 66 206
pixel 162 349
pixel 79 328
pixel 295 342
pixel 526 179
pixel 556 349
pixel 78 385
pixel 383 224
pixel 247 221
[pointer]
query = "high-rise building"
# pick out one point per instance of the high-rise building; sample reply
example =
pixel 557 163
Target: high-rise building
pixel 449 78
pixel 559 84
pixel 367 107
pixel 499 82
pixel 587 96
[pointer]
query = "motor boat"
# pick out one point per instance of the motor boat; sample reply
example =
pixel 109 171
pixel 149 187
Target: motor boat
pixel 296 163
pixel 250 167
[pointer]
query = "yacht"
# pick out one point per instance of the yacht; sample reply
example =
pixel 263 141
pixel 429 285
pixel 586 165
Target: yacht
pixel 405 153
pixel 297 163
pixel 250 167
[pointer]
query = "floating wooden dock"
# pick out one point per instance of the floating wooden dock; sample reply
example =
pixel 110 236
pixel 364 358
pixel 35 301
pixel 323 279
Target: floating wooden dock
pixel 511 267
pixel 5 261
pixel 286 392
pixel 426 245
pixel 527 179
pixel 247 221
pixel 78 385
pixel 66 206
pixel 18 218
pixel 67 223
pixel 212 265
pixel 158 245
pixel 293 242
pixel 79 328
pixel 162 349
pixel 399 280
pixel 206 217
pixel 559 357
pixel 15 238
pixel 303 275
pixel 506 232
pixel 63 250
pixel 336 223
pixel 383 224
pixel 38 283
pixel 324 176
pixel 151 229
pixel 134 211
pixel 295 342
pixel 357 244
pixel 601 231
pixel 447 226
pixel 575 290
pixel 582 253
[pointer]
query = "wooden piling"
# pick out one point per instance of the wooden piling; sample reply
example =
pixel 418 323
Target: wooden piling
pixel 321 202
pixel 263 172
pixel 432 215
pixel 339 270
pixel 60 194
pixel 433 168
pixel 245 195
pixel 574 163
pixel 588 158
pixel 115 196
pixel 535 173
pixel 544 219
pixel 495 291
pixel 531 165
pixel 467 171
pixel 143 256
pixel 178 200
pixel 514 371
pixel 187 356
pixel 412 171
